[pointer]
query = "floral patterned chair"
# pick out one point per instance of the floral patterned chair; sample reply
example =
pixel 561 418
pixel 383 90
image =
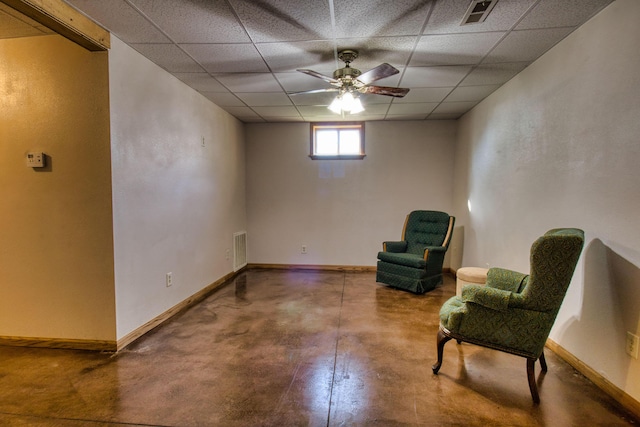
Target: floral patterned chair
pixel 415 263
pixel 514 312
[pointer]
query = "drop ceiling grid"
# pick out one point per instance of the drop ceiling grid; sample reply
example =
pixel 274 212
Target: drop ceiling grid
pixel 242 54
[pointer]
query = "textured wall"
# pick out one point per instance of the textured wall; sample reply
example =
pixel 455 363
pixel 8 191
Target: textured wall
pixel 558 146
pixel 56 251
pixel 176 203
pixel 342 210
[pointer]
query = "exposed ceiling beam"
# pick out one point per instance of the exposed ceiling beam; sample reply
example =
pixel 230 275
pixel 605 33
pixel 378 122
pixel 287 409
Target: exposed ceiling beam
pixel 64 20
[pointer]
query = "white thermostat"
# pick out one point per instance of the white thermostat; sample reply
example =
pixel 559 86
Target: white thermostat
pixel 35 160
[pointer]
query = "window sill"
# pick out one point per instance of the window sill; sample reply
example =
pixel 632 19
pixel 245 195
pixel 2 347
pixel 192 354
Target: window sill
pixel 346 157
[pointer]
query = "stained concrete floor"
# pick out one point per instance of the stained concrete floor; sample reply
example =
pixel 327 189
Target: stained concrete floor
pixel 287 348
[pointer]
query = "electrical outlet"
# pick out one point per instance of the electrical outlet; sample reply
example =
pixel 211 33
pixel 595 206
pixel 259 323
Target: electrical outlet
pixel 228 254
pixel 202 142
pixel 304 249
pixel 169 279
pixel 632 345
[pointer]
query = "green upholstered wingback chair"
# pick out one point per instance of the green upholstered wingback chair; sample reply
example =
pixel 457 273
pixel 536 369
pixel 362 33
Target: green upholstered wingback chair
pixel 514 312
pixel 415 262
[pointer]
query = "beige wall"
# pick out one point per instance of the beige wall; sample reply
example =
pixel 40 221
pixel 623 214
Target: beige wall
pixel 56 250
pixel 342 210
pixel 559 146
pixel 176 203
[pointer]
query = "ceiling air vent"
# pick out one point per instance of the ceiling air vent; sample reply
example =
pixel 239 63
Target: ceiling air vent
pixel 478 11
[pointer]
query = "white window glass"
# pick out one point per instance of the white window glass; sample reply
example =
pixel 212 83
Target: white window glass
pixel 350 141
pixel 326 142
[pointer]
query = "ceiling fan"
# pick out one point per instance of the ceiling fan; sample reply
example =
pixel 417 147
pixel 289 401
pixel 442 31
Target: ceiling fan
pixel 349 82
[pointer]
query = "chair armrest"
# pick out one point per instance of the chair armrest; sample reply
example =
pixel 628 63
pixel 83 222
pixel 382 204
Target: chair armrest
pixel 400 246
pixel 506 280
pixel 432 250
pixel 493 298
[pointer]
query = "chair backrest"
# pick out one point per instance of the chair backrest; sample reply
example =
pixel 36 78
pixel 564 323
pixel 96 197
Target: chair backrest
pixel 427 228
pixel 554 257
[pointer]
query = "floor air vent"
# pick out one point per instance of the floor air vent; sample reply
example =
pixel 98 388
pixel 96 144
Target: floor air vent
pixel 239 250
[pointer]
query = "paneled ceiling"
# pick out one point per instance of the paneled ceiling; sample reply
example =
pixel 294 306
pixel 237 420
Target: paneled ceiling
pixel 243 54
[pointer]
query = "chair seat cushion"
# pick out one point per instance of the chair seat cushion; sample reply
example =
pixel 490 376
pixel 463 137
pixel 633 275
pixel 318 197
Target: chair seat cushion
pixel 409 260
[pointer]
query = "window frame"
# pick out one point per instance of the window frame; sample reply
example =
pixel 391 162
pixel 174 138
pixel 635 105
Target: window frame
pixel 337 126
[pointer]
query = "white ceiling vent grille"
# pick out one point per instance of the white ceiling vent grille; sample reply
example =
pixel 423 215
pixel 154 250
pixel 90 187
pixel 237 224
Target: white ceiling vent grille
pixel 478 11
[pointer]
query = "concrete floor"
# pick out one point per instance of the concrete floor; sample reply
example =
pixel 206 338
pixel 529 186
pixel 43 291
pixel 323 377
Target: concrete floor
pixel 286 348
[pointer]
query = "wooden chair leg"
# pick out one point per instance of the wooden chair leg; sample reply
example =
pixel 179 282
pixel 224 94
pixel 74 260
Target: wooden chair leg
pixel 531 376
pixel 442 340
pixel 543 362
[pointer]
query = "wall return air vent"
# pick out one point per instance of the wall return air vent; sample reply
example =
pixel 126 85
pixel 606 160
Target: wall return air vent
pixel 478 11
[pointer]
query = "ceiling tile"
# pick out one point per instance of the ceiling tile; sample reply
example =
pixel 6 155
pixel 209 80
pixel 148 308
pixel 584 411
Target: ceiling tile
pixel 447 16
pixel 370 99
pixel 168 56
pixel 227 58
pixel 194 21
pixel 489 74
pixel 380 18
pixel 249 82
pixel 409 109
pixel 454 49
pixel 565 13
pixel 375 109
pixel 202 82
pixel 235 50
pixel 406 117
pixel 424 94
pixel 323 98
pixel 526 45
pixel 289 56
pixel 454 107
pixel 265 99
pixel 283 119
pixel 284 20
pixel 445 116
pixel 362 117
pixel 440 76
pixel 222 99
pixel 376 50
pixel 296 82
pixel 241 112
pixel 471 93
pixel 124 21
pixel 256 119
pixel 290 111
pixel 320 114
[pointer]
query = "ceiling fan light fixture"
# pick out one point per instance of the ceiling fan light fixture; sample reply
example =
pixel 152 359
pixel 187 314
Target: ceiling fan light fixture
pixel 336 105
pixel 357 106
pixel 346 103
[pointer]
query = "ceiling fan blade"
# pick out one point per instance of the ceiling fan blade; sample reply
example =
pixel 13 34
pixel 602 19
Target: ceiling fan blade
pixel 332 89
pixel 318 75
pixel 377 73
pixel 398 92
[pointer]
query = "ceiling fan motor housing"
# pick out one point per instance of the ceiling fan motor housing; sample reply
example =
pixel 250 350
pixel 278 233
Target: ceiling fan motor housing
pixel 346 73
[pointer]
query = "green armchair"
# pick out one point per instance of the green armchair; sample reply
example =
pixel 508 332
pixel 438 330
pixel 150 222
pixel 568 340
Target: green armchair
pixel 514 312
pixel 415 263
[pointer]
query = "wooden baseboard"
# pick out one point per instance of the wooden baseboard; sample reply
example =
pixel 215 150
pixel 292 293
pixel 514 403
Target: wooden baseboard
pixel 96 345
pixel 347 268
pixel 626 401
pixel 181 306
pixel 75 344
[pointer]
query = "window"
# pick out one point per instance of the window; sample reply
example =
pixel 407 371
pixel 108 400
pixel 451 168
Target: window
pixel 343 140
